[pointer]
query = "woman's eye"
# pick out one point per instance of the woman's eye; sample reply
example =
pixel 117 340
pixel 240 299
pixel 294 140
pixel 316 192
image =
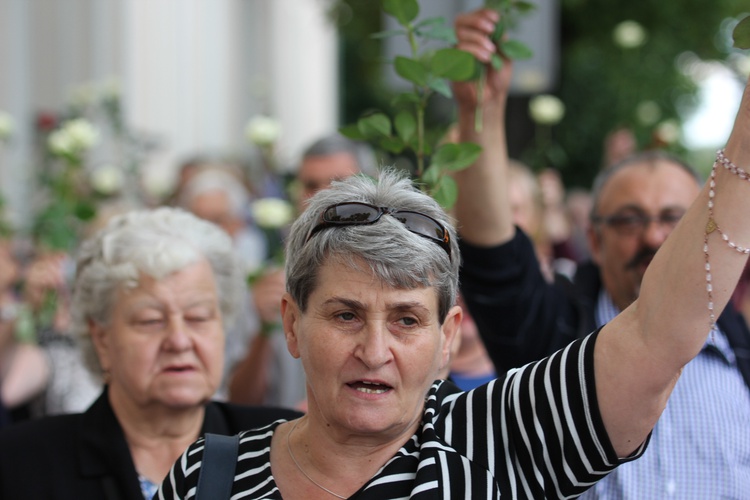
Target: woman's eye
pixel 408 321
pixel 149 321
pixel 347 316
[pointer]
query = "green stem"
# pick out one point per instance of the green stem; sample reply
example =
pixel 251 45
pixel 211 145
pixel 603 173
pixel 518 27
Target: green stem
pixel 478 116
pixel 420 139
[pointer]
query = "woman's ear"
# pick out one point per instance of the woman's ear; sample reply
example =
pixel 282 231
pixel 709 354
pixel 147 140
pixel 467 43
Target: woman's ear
pixel 290 315
pixel 101 343
pixel 450 329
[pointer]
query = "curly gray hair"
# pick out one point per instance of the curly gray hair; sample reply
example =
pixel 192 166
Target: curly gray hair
pixel 155 242
pixel 398 257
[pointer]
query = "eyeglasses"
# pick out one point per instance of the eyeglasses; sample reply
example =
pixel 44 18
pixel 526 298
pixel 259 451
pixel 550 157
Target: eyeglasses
pixel 354 213
pixel 636 223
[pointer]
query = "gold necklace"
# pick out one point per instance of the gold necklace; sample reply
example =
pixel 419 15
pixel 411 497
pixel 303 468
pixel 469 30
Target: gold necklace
pixel 289 449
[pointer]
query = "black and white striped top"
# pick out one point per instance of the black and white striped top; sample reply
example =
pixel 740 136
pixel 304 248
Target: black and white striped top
pixel 536 433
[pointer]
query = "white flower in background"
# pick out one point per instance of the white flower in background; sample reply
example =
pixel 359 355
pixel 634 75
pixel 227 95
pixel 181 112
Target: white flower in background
pixel 272 213
pixel 546 109
pixel 6 125
pixel 648 112
pixel 158 183
pixel 74 137
pixel 107 180
pixel 668 131
pixel 629 35
pixel 262 130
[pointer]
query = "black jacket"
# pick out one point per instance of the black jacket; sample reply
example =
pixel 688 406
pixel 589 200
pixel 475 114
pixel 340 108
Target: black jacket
pixel 521 317
pixel 85 456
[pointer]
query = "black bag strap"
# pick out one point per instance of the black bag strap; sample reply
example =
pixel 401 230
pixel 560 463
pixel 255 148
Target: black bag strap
pixel 217 468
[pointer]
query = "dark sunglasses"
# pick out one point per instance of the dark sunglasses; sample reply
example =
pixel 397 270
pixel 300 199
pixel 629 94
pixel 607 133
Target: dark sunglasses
pixel 354 213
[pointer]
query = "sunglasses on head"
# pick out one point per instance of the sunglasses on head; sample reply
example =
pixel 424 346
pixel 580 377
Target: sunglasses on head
pixel 354 213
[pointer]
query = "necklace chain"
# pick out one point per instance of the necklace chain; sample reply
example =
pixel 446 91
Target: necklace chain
pixel 299 467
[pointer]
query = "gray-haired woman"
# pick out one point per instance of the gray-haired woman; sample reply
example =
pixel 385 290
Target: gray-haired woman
pixel 152 294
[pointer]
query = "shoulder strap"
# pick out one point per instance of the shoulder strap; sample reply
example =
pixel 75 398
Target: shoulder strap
pixel 217 468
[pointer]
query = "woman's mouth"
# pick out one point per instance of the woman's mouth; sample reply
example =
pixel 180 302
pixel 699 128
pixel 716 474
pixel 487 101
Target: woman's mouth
pixel 369 387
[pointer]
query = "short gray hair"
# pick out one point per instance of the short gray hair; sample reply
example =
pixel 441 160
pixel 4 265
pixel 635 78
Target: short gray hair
pixel 337 143
pixel 212 180
pixel 396 256
pixel 156 242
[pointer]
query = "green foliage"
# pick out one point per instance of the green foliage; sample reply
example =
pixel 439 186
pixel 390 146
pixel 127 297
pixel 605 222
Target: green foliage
pixel 603 84
pixel 429 72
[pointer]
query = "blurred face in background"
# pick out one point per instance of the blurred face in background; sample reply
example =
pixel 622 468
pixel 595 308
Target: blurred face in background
pixel 317 172
pixel 638 207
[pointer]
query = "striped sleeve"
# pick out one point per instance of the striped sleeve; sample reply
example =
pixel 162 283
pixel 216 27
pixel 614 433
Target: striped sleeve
pixel 538 431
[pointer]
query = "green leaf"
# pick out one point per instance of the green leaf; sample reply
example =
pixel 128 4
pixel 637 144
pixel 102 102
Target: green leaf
pixel 499 31
pixel 441 33
pixel 388 34
pixel 524 7
pixel 352 132
pixel 514 49
pixel 405 11
pixel 446 192
pixel 430 21
pixel 84 210
pixel 405 98
pixel 456 156
pixel 453 64
pixel 431 176
pixel 411 70
pixel 440 85
pixel 741 34
pixel 497 61
pixel 374 126
pixel 392 144
pixel 406 125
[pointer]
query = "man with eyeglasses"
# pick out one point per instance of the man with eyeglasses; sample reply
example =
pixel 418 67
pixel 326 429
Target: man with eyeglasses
pixel 701 446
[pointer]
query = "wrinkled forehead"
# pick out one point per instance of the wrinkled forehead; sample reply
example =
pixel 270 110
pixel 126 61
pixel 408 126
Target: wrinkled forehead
pixel 648 186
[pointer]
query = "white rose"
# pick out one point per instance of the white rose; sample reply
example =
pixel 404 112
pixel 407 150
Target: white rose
pixel 629 35
pixel 546 109
pixel 648 112
pixel 272 213
pixel 82 134
pixel 6 125
pixel 262 130
pixel 668 131
pixel 107 180
pixel 59 142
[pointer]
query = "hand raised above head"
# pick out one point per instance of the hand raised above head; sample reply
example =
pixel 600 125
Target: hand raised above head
pixel 474 30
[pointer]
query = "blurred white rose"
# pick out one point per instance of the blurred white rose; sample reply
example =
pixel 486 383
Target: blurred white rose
pixel 648 112
pixel 272 213
pixel 74 137
pixel 59 142
pixel 107 180
pixel 668 131
pixel 262 130
pixel 546 109
pixel 6 125
pixel 629 34
pixel 82 134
